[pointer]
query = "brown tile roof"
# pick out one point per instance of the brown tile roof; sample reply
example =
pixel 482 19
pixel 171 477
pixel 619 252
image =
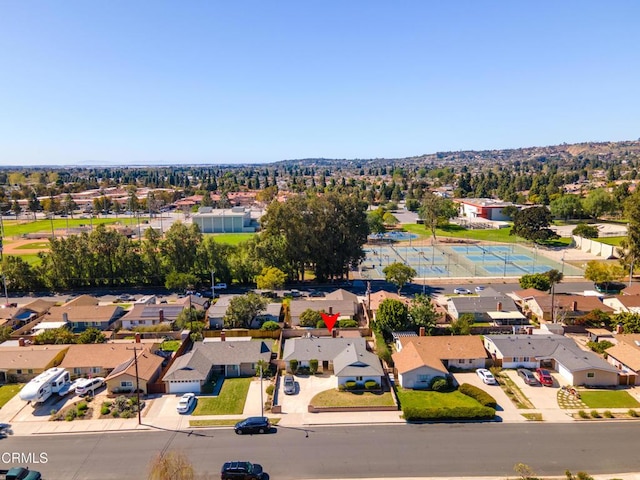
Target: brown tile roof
pixel 630 338
pixel 565 302
pixel 528 293
pixel 7 313
pixel 378 297
pixel 629 301
pixel 33 356
pixel 627 354
pixel 82 301
pixel 432 350
pixel 148 364
pixel 411 357
pixel 634 289
pixel 39 305
pixel 91 313
pixel 105 355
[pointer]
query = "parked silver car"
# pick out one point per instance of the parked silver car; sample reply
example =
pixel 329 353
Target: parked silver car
pixel 289 385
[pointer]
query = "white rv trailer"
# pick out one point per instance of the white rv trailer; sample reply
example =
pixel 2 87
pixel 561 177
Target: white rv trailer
pixel 44 385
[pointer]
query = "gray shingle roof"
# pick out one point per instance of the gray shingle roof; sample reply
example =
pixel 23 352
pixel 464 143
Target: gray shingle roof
pixel 483 304
pixel 190 366
pixel 319 348
pixel 357 362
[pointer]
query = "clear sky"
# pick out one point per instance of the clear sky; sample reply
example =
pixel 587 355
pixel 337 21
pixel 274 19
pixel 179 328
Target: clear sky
pixel 130 82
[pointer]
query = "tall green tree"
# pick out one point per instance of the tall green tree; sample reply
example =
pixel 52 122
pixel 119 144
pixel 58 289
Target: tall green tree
pixel 179 248
pixel 271 278
pixel 399 274
pixel 422 313
pixel 567 207
pixel 533 224
pixel 436 211
pixel 392 316
pixel 243 309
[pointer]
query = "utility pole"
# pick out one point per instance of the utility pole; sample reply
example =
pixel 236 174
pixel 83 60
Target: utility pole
pixel 213 285
pixel 135 361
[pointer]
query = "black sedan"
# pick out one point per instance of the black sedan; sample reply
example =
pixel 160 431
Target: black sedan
pixel 253 425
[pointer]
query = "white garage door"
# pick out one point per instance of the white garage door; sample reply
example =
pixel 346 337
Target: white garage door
pixel 568 376
pixel 184 387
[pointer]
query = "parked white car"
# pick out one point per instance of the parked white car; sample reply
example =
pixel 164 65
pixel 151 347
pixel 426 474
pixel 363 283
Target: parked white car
pixel 486 376
pixel 186 402
pixel 90 385
pixel 220 286
pixel 461 291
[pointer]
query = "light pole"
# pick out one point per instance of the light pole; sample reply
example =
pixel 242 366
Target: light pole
pixel 563 254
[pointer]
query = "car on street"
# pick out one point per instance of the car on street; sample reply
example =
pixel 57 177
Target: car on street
pixel 220 286
pixel 187 401
pixel 316 294
pixel 461 291
pixel 544 377
pixel 612 288
pixel 125 297
pixel 89 386
pixel 528 376
pixel 289 385
pixel 241 470
pixel 486 376
pixel 479 288
pixel 253 425
pixel 22 473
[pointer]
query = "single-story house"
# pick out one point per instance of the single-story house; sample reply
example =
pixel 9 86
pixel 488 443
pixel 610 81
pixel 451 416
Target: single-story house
pixel 82 316
pixel 499 309
pixel 149 315
pixel 375 299
pixel 347 309
pixel 23 363
pixel 567 306
pixel 521 296
pixel 348 358
pixel 100 359
pixel 125 377
pixel 271 313
pixel 191 371
pixel 17 316
pixel 341 294
pixel 577 366
pixel 598 334
pixel 194 301
pixel 217 311
pixel 623 303
pixel 625 356
pixel 419 358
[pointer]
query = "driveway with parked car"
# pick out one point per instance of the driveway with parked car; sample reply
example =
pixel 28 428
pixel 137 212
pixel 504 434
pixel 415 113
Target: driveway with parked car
pixel 308 386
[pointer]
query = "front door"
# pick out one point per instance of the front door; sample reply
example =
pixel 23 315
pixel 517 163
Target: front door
pixel 233 370
pixel 3 377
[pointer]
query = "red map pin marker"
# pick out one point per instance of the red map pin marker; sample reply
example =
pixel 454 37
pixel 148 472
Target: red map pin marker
pixel 330 320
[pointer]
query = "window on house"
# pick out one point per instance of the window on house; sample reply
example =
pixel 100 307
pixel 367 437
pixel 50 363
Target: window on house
pixel 591 374
pixel 30 370
pixel 470 361
pixel 77 371
pixel 95 369
pixel 126 384
pixel 358 379
pixel 19 371
pixel 526 359
pixel 423 378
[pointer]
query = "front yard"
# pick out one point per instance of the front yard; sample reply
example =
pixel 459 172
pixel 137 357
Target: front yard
pixel 230 401
pixel 335 398
pixel 7 392
pixel 429 399
pixel 608 399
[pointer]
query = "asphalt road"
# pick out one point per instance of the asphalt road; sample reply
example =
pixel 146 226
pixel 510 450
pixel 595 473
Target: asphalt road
pixel 451 450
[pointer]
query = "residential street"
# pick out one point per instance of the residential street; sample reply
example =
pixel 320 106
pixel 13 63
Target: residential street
pixel 438 450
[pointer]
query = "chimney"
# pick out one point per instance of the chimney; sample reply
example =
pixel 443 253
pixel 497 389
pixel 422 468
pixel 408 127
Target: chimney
pixel 423 331
pixel 21 342
pixel 161 315
pixel 499 307
pixel 65 317
pixel 619 329
pixel 330 310
pixel 334 333
pixel 529 330
pixel 137 337
pixel 223 336
pixel 574 306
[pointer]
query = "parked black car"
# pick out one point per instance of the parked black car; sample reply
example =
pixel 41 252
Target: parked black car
pixel 253 425
pixel 241 470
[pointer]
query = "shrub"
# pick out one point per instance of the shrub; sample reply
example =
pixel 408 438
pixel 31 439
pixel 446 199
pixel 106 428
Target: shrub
pixel 270 326
pixel 478 394
pixel 70 415
pixel 53 411
pixel 270 389
pixel 383 349
pixel 608 414
pixel 350 385
pixel 313 366
pixel 293 365
pixel 126 414
pixel 104 410
pixel 633 413
pixel 583 414
pixel 371 385
pixel 82 406
pixel 595 414
pixel 448 413
pixel 348 324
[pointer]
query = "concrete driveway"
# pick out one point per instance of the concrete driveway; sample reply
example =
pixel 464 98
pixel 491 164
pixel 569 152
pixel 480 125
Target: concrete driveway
pixel 506 409
pixel 307 387
pixel 543 398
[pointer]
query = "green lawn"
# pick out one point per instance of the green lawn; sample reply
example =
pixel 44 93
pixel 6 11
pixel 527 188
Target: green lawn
pixel 34 246
pixel 170 345
pixel 424 398
pixel 7 392
pixel 608 399
pixel 13 228
pixel 335 398
pixel 615 241
pixel 232 238
pixel 230 401
pixel 492 235
pixel 31 258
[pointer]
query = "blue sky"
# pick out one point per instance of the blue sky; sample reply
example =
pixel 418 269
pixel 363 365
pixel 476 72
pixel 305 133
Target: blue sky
pixel 130 82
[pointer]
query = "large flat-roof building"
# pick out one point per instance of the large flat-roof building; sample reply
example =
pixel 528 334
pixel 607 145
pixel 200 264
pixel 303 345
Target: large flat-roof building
pixel 225 220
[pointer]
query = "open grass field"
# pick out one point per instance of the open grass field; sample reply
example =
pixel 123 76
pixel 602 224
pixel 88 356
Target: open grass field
pixel 230 401
pixel 232 238
pixel 34 246
pixel 424 398
pixel 615 241
pixel 7 392
pixel 22 227
pixel 335 398
pixel 608 399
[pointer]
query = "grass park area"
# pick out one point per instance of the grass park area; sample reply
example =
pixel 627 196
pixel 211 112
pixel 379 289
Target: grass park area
pixel 608 399
pixel 230 401
pixel 13 228
pixel 336 398
pixel 614 241
pixel 430 399
pixel 232 238
pixel 7 392
pixel 170 345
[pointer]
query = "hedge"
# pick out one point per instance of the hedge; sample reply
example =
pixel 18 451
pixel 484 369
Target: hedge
pixel 448 413
pixel 478 394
